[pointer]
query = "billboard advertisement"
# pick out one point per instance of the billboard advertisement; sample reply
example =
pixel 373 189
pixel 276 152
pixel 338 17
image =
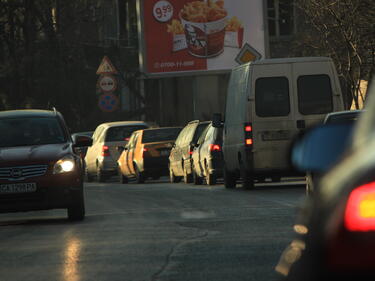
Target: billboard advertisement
pixel 186 35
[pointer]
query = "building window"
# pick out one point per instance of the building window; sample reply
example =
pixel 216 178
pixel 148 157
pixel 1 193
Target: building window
pixel 281 18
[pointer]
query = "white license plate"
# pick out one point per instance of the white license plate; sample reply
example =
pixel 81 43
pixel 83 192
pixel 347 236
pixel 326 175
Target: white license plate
pixel 17 188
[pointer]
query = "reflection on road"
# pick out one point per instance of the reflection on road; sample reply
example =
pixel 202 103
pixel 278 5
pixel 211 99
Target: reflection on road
pixel 71 258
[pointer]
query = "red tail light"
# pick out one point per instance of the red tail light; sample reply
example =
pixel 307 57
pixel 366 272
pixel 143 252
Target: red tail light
pixel 126 139
pixel 248 128
pixel 105 151
pixel 214 147
pixel 360 209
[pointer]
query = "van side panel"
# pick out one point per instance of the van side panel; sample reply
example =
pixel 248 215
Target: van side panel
pixel 235 113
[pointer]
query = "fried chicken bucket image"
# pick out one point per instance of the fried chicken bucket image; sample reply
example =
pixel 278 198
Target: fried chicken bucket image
pixel 204 24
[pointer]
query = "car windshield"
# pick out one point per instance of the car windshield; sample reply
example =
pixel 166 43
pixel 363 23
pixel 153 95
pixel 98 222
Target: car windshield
pixel 120 133
pixel 30 131
pixel 157 135
pixel 339 118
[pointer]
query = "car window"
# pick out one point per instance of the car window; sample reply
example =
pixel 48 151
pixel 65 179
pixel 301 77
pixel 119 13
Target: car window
pixel 156 135
pixel 31 131
pixel 339 118
pixel 203 135
pixel 272 97
pixel 314 94
pixel 120 133
pixel 199 131
pixel 210 133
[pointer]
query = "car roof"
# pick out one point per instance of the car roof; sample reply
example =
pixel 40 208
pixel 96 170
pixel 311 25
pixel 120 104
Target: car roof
pixel 27 113
pixel 122 123
pixel 342 113
pixel 160 128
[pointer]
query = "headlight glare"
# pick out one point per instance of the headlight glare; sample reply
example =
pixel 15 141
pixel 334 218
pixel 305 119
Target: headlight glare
pixel 64 165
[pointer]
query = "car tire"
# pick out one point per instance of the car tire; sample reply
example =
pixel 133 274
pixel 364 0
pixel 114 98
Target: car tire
pixel 88 177
pixel 122 178
pixel 139 176
pixel 99 175
pixel 196 179
pixel 76 210
pixel 172 177
pixel 188 178
pixel 229 179
pixel 210 178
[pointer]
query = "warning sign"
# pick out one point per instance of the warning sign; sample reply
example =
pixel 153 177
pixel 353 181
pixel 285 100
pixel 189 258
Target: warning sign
pixel 106 67
pixel 248 54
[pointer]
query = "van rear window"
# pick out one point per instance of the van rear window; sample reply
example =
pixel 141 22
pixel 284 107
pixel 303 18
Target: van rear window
pixel 272 97
pixel 314 94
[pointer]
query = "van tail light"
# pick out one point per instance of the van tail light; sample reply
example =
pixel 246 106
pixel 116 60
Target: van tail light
pixel 360 209
pixel 248 128
pixel 105 151
pixel 352 245
pixel 214 147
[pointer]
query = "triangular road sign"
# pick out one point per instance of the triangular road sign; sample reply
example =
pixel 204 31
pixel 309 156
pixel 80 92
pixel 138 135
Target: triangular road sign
pixel 106 67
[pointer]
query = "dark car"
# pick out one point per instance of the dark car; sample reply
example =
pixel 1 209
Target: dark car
pixel 146 154
pixel 347 116
pixel 180 160
pixel 335 229
pixel 39 168
pixel 208 156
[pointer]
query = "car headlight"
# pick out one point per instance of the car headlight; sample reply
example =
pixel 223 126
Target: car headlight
pixel 64 165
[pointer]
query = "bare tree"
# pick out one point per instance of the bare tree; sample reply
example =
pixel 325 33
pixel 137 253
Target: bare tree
pixel 345 31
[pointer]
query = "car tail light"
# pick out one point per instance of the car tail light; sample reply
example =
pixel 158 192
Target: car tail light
pixel 126 139
pixel 248 128
pixel 105 151
pixel 360 209
pixel 352 245
pixel 214 147
pixel 144 152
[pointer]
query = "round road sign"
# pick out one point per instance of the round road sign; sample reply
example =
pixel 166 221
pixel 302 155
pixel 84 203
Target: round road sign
pixel 107 83
pixel 108 102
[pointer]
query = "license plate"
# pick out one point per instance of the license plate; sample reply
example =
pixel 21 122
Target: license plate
pixel 164 152
pixel 17 188
pixel 276 135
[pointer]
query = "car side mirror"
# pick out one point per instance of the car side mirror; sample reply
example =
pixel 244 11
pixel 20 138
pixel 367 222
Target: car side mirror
pixel 82 141
pixel 321 147
pixel 217 120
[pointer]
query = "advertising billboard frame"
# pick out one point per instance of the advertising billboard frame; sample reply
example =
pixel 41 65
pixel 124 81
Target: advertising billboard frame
pixel 142 54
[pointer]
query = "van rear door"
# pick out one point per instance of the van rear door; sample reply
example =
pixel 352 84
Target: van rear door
pixel 272 110
pixel 317 92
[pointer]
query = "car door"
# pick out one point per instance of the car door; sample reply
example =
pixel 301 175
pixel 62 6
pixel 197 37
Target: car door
pixel 125 164
pixel 175 154
pixel 91 154
pixel 205 148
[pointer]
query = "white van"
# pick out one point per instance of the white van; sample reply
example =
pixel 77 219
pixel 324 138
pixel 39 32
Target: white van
pixel 268 103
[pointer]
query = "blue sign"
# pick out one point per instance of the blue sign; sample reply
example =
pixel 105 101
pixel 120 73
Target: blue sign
pixel 108 102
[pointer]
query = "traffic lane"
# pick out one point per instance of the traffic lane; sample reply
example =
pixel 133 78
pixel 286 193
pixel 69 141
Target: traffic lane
pixel 150 232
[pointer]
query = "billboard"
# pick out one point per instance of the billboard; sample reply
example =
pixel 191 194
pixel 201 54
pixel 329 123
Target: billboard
pixel 189 36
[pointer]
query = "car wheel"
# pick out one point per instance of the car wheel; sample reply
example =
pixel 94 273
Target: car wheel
pixel 122 178
pixel 139 176
pixel 210 178
pixel 76 210
pixel 88 177
pixel 188 178
pixel 196 179
pixel 172 177
pixel 99 175
pixel 229 179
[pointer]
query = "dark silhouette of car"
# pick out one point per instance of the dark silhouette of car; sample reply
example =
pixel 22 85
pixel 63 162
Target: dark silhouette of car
pixel 335 229
pixel 39 168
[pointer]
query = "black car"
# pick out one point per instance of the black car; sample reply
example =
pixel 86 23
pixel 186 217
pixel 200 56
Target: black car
pixel 39 168
pixel 180 160
pixel 208 156
pixel 335 229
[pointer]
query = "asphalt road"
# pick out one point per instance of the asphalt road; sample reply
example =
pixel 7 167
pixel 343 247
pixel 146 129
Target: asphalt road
pixel 154 231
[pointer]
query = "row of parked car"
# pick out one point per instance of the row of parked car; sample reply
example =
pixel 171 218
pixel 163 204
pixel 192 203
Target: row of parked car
pixel 135 150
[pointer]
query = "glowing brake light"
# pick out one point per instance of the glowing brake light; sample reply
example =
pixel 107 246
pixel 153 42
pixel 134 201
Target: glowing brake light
pixel 214 147
pixel 248 134
pixel 126 139
pixel 105 151
pixel 360 209
pixel 248 128
pixel 249 141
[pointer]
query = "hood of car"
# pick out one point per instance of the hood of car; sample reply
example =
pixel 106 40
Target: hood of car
pixel 33 154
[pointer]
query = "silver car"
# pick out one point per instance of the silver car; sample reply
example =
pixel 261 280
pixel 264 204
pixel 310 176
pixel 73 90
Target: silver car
pixel 101 157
